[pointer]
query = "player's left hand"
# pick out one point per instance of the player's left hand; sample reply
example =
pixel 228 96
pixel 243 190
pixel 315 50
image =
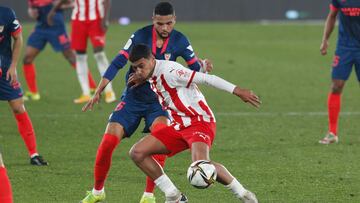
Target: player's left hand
pixel 12 75
pixel 135 80
pixel 247 96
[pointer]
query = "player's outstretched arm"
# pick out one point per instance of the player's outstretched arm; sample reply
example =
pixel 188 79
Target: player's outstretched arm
pixel 246 95
pixel 329 27
pixel 96 98
pixel 11 73
pixel 58 5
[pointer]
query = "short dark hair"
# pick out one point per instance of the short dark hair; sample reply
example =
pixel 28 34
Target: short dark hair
pixel 138 52
pixel 164 9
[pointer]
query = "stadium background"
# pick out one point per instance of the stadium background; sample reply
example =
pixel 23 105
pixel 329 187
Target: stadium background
pixel 205 10
pixel 273 150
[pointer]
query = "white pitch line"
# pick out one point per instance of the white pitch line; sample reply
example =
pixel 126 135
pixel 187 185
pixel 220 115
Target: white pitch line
pixel 233 114
pixel 261 114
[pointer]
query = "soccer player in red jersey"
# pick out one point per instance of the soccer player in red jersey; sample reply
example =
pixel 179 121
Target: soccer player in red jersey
pixel 10 89
pixel 44 33
pixel 89 20
pixel 347 55
pixel 5 186
pixel 193 125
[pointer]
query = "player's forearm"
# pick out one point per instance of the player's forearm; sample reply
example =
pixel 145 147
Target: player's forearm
pixel 103 83
pixel 58 5
pixel 214 81
pixel 18 41
pixel 118 63
pixel 329 26
pixel 107 5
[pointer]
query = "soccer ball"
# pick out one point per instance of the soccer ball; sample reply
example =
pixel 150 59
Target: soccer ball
pixel 201 174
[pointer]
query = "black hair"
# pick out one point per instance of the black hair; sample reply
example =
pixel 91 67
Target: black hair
pixel 164 9
pixel 138 52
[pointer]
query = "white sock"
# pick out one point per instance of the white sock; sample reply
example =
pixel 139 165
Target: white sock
pixel 236 188
pixel 148 194
pixel 82 73
pixel 164 184
pixel 103 64
pixel 34 155
pixel 98 192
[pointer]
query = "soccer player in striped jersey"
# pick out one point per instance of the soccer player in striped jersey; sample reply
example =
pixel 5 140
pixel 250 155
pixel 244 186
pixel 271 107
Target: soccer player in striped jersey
pixel 193 123
pixel 10 89
pixel 44 33
pixel 89 19
pixel 347 55
pixel 140 102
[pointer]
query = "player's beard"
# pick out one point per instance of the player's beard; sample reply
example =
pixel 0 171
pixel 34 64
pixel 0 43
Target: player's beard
pixel 161 35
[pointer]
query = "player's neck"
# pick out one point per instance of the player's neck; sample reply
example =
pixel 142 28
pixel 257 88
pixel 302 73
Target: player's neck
pixel 160 40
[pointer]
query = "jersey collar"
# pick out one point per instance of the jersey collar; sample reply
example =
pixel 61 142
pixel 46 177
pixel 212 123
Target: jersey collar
pixel 163 49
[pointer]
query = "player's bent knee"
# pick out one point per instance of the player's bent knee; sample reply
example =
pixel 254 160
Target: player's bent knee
pixel 136 154
pixel 17 106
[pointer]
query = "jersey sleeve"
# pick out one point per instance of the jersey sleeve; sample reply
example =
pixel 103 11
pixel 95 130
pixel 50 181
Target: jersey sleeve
pixel 188 54
pixel 334 5
pixel 121 59
pixel 179 76
pixel 13 23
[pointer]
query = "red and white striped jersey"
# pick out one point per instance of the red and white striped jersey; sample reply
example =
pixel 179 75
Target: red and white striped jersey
pixel 179 95
pixel 85 10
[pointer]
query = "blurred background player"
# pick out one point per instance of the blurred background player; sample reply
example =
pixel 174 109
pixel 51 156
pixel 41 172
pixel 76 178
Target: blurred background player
pixel 347 55
pixel 193 127
pixel 10 89
pixel 43 33
pixel 5 186
pixel 89 20
pixel 140 102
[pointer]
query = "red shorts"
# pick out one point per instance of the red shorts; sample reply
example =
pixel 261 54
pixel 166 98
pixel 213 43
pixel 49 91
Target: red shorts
pixel 82 30
pixel 178 141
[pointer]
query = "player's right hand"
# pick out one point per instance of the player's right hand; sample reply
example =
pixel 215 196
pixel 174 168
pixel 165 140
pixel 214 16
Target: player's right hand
pixel 247 96
pixel 11 75
pixel 90 104
pixel 323 47
pixel 50 18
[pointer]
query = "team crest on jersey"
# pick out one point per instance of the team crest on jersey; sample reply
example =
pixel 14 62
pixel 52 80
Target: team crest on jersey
pixel 1 28
pixel 167 56
pixel 182 73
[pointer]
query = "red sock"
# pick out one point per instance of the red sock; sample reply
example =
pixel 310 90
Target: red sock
pixel 150 185
pixel 26 131
pixel 5 187
pixel 92 83
pixel 103 159
pixel 30 77
pixel 334 103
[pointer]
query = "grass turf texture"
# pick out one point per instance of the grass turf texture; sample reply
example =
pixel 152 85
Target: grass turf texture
pixel 272 152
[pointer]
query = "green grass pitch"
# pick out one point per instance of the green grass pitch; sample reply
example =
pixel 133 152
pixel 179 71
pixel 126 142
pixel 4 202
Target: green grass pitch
pixel 273 151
